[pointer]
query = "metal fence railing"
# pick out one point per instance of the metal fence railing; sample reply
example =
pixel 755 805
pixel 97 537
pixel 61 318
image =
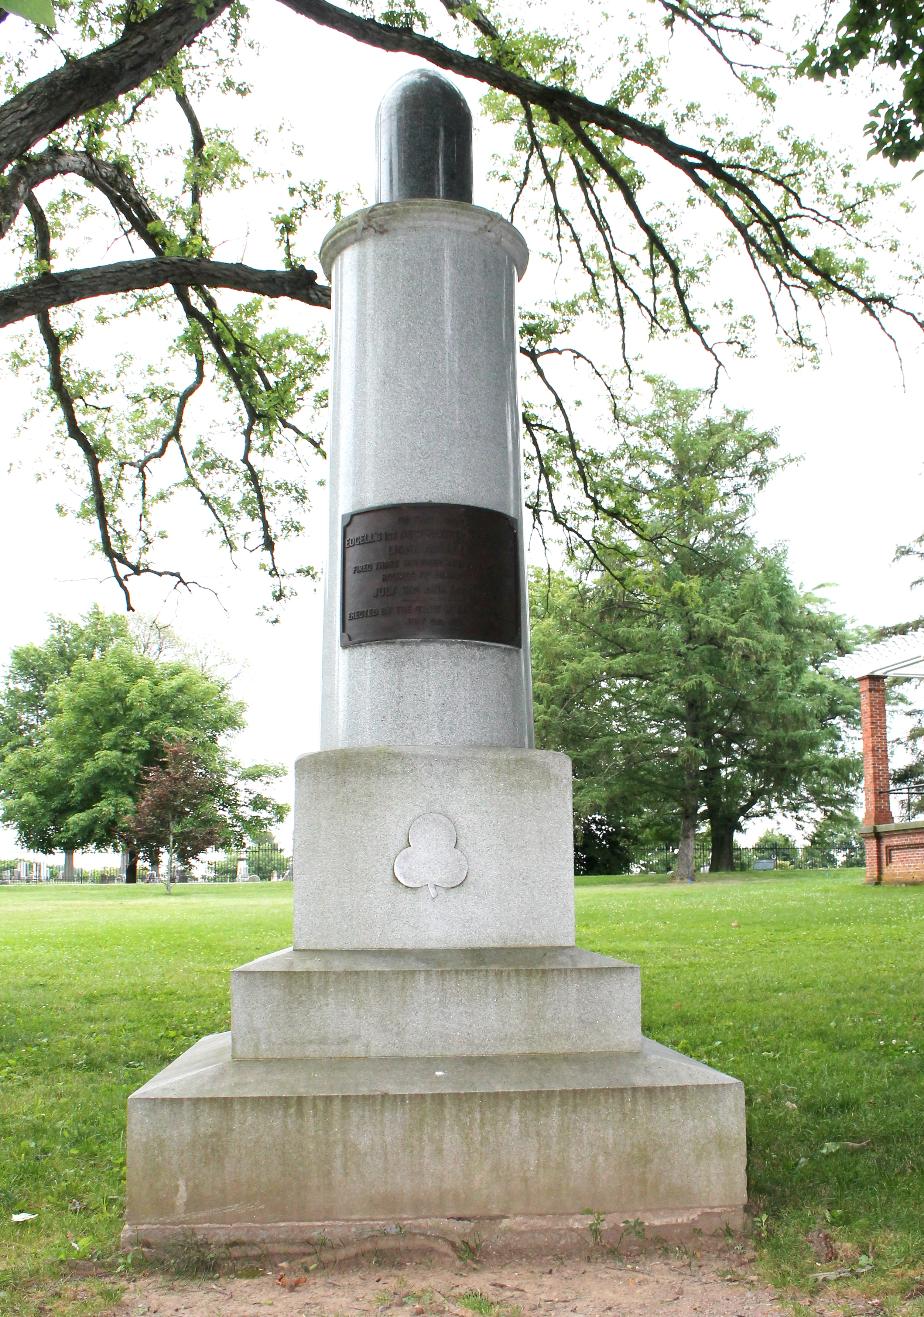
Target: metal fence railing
pixel 907 801
pixel 662 859
pixel 261 863
pixel 270 863
pixel 250 865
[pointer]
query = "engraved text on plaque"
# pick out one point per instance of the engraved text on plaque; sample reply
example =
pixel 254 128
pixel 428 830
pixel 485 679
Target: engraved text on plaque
pixel 430 571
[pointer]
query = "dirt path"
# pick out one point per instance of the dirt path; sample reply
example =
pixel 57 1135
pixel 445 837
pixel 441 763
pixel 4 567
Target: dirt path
pixel 719 1285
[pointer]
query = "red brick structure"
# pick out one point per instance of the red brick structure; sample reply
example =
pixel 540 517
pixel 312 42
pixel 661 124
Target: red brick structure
pixel 894 851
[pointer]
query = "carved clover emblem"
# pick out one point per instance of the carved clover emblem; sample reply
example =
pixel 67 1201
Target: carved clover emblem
pixel 432 859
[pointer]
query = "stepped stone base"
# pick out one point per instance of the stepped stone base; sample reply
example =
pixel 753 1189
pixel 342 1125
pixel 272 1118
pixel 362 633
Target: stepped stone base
pixel 454 1002
pixel 216 1142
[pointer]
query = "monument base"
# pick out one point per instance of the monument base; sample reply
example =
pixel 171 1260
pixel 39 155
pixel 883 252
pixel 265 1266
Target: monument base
pixel 454 1239
pixel 272 1154
pixel 471 1001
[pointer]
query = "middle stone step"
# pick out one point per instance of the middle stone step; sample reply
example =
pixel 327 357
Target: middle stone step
pixel 441 1002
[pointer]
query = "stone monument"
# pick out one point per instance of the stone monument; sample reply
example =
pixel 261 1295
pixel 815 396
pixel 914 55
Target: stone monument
pixel 434 1052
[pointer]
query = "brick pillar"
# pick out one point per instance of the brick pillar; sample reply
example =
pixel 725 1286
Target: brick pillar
pixel 873 846
pixel 875 751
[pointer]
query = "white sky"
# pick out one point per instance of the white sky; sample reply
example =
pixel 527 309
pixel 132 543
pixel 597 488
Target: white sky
pixel 855 495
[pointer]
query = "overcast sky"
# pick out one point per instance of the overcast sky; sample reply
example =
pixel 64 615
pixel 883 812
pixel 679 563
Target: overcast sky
pixel 855 494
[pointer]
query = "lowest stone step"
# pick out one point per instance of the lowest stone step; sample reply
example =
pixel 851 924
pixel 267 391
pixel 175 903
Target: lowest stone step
pixel 644 1134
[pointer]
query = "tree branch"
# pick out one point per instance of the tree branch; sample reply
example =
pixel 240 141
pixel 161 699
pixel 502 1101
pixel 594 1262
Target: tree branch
pixel 761 230
pixel 100 77
pixel 557 101
pixel 121 566
pixel 68 286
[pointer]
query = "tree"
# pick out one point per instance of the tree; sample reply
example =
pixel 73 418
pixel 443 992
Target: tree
pixel 603 846
pixel 29 690
pixel 776 844
pixel 635 193
pixel 782 743
pixel 835 841
pixel 880 34
pixel 174 809
pixel 620 754
pixel 697 677
pixel 187 802
pixel 74 784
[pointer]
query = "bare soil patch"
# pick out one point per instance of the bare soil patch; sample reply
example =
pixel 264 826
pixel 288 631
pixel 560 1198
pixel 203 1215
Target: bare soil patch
pixel 681 1284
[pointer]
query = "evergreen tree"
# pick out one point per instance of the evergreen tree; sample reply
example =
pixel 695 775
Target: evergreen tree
pixel 682 663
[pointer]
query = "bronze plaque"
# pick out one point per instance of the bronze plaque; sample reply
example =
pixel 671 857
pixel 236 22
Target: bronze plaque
pixel 430 571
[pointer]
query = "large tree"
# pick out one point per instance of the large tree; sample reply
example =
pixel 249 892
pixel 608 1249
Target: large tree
pixel 33 679
pixel 632 190
pixel 682 667
pixel 77 778
pixel 622 749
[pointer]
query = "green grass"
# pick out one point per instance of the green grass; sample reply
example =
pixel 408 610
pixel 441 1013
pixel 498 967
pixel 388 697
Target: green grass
pixel 477 1302
pixel 99 987
pixel 807 987
pixel 810 991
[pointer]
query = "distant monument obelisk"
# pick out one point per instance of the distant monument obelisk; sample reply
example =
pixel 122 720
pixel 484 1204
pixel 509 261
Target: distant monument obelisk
pixel 434 1053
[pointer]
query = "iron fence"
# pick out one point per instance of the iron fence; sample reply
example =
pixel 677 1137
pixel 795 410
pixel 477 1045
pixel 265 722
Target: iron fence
pixel 663 859
pixel 907 801
pixel 248 865
pixel 261 863
pixel 270 863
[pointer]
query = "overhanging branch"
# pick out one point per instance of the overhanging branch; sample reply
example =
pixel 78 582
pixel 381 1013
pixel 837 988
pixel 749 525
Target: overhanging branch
pixel 67 286
pixel 83 84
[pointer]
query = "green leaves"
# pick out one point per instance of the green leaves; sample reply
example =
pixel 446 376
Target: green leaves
pixel 881 33
pixel 85 736
pixel 681 668
pixel 40 12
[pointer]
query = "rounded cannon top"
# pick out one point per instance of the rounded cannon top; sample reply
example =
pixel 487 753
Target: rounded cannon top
pixel 423 136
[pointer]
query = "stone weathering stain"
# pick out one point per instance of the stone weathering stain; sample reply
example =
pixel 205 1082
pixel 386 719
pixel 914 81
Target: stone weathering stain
pixel 434 1053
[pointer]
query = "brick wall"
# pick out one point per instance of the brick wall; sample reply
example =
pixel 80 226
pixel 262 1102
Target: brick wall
pixel 873 860
pixel 904 856
pixel 895 854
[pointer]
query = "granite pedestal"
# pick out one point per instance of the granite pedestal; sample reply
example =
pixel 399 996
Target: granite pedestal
pixel 330 1146
pixel 379 1085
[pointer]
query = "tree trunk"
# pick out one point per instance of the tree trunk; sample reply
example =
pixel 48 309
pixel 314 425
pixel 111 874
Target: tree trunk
pixel 131 866
pixel 722 856
pixel 686 850
pixel 689 802
pixel 68 875
pixel 169 881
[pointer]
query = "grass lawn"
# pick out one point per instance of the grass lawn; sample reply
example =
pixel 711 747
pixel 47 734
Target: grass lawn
pixel 810 988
